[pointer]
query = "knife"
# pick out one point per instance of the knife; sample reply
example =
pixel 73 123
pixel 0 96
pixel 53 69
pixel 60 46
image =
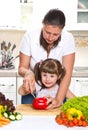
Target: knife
pixel 11 51
pixel 33 95
pixel 14 46
pixel 14 58
pixel 9 45
pixel 10 61
pixel 3 45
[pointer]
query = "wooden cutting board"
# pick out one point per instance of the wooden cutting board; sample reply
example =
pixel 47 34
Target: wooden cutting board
pixel 27 109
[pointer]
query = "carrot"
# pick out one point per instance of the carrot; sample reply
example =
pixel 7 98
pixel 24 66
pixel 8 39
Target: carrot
pixel 3 119
pixel 4 123
pixel 1 124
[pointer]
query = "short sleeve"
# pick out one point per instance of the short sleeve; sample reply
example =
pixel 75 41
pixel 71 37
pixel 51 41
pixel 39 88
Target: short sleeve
pixel 69 45
pixel 25 46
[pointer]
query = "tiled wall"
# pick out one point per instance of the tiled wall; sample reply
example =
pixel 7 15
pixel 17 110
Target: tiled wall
pixel 81 38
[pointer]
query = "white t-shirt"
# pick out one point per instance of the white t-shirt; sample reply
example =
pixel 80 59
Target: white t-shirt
pixel 46 92
pixel 30 46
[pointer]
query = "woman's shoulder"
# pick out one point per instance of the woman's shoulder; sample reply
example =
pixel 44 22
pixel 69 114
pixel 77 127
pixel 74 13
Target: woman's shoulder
pixel 67 36
pixel 66 33
pixel 33 35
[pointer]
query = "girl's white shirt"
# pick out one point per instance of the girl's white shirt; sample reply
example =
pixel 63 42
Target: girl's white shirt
pixel 30 45
pixel 46 92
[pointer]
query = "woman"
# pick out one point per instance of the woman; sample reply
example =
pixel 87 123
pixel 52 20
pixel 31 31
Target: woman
pixel 51 41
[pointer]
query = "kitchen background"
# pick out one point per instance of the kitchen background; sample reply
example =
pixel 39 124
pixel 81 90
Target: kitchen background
pixel 16 16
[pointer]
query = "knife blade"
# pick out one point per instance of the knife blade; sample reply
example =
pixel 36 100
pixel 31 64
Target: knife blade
pixel 14 46
pixel 9 45
pixel 33 95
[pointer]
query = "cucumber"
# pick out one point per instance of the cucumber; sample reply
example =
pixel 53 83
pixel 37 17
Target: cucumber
pixel 18 116
pixel 12 117
pixel 5 115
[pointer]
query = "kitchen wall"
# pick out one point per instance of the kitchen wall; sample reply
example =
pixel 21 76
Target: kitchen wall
pixel 13 36
pixel 81 37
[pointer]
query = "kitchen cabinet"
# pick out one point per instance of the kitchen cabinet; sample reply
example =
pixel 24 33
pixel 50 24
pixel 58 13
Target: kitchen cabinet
pixel 79 86
pixel 19 83
pixel 8 88
pixel 82 12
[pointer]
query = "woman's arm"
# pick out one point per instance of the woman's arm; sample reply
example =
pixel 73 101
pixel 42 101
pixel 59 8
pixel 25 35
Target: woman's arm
pixel 69 94
pixel 24 62
pixel 26 73
pixel 68 63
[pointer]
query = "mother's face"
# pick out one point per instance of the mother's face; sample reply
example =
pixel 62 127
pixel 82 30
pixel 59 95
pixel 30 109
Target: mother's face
pixel 51 33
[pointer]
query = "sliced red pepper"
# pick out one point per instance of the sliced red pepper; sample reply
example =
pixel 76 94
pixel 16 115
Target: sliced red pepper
pixel 40 103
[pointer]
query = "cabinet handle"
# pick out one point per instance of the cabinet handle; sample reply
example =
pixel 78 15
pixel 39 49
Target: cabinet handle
pixel 11 85
pixel 2 84
pixel 82 80
pixel 7 85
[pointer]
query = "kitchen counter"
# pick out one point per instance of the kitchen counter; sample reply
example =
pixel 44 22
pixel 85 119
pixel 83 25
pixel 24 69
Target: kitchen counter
pixel 8 73
pixel 39 121
pixel 14 72
pixel 80 72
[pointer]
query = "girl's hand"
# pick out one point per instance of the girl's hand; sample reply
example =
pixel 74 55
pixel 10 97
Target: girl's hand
pixel 29 82
pixel 53 103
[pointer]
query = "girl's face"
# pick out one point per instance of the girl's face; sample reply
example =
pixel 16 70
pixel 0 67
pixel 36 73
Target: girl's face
pixel 49 80
pixel 51 33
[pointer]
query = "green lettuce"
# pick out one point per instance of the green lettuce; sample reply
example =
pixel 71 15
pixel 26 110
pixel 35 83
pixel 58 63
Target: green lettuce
pixel 80 103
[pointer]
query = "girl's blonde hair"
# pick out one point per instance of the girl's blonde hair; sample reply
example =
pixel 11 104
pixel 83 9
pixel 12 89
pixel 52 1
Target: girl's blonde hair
pixel 51 66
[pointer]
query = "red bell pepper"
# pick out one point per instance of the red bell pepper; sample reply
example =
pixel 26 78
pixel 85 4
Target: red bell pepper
pixel 40 103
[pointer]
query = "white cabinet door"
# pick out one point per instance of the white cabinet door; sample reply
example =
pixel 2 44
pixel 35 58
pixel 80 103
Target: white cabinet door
pixel 79 86
pixel 8 88
pixel 19 83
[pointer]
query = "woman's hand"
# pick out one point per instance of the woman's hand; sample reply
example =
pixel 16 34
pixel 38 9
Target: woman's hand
pixel 29 82
pixel 53 103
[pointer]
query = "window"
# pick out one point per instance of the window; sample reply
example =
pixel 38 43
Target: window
pixel 15 13
pixel 26 10
pixel 82 13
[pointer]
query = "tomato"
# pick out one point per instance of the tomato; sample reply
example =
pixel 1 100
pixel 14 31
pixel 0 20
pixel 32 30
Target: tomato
pixel 83 118
pixel 84 123
pixel 63 115
pixel 65 121
pixel 75 121
pixel 80 123
pixel 70 124
pixel 58 119
pixel 40 103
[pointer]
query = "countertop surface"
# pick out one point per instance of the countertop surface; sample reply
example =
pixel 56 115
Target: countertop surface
pixel 38 122
pixel 77 72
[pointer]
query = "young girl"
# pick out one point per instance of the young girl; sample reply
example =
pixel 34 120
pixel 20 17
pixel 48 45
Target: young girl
pixel 48 75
